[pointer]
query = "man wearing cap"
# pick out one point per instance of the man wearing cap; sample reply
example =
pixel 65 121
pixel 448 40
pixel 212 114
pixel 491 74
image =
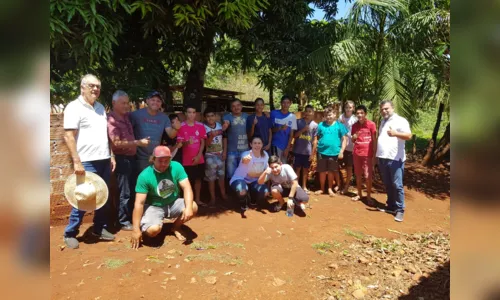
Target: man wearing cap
pixel 157 193
pixel 124 146
pixel 85 126
pixel 150 122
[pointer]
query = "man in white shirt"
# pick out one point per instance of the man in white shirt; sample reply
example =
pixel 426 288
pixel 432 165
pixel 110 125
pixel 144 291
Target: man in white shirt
pixel 393 132
pixel 85 126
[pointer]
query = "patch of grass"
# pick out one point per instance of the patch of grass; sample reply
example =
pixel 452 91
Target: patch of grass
pixel 356 234
pixel 204 273
pixel 98 277
pixel 225 259
pixel 384 245
pixel 114 263
pixel 203 256
pixel 322 247
pixel 203 245
pixel 208 237
pixel 345 252
pixel 154 259
pixel 234 245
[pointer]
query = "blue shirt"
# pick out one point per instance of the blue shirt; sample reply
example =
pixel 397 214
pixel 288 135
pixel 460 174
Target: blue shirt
pixel 145 125
pixel 237 139
pixel 261 128
pixel 281 137
pixel 330 138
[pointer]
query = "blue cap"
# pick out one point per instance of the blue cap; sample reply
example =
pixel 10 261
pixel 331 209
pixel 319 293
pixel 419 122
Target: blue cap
pixel 153 94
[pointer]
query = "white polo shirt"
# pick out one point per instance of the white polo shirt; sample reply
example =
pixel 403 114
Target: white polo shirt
pixel 392 147
pixel 348 122
pixel 91 123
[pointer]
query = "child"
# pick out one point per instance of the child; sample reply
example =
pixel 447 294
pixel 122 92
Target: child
pixel 364 136
pixel 172 143
pixel 259 124
pixel 348 119
pixel 214 165
pixel 284 183
pixel 192 134
pixel 332 141
pixel 305 144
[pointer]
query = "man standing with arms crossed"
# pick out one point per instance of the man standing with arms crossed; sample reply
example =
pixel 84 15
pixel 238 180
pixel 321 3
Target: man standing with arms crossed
pixel 394 130
pixel 85 126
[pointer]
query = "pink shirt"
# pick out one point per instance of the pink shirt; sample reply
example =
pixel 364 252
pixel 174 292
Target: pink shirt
pixel 363 146
pixel 192 134
pixel 121 128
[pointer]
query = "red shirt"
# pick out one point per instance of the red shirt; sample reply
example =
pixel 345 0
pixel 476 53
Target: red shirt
pixel 363 146
pixel 195 133
pixel 121 128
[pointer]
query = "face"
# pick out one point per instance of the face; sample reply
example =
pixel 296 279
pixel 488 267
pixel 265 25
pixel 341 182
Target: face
pixel 360 114
pixel 176 124
pixel 191 114
pixel 256 144
pixel 309 113
pixel 161 163
pixel 330 117
pixel 285 104
pixel 121 105
pixel 91 89
pixel 349 108
pixel 276 168
pixel 154 103
pixel 259 106
pixel 210 118
pixel 236 107
pixel 386 110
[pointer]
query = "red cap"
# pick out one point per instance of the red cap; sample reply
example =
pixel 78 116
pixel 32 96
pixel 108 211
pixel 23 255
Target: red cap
pixel 161 151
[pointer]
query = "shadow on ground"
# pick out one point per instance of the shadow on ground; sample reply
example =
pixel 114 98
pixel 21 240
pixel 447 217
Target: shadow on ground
pixel 435 286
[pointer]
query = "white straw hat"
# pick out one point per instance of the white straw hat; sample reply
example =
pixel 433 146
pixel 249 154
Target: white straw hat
pixel 86 192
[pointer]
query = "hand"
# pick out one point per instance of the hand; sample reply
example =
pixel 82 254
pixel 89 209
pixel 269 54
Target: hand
pixel 255 121
pixel 354 136
pixel 391 132
pixel 306 128
pixel 191 141
pixel 178 145
pixel 341 155
pixel 136 239
pixel 224 155
pixel 196 159
pixel 225 125
pixel 144 142
pixel 266 148
pixel 113 163
pixel 268 170
pixel 187 214
pixel 246 159
pixel 79 170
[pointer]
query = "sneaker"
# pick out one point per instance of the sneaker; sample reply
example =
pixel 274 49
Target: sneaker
pixel 71 242
pixel 399 216
pixel 105 235
pixel 302 206
pixel 127 227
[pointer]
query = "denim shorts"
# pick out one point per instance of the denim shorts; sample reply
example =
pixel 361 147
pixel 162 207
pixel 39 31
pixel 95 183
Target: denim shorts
pixel 214 167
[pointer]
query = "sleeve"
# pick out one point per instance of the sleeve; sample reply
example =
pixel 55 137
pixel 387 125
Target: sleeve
pixel 203 132
pixel 226 118
pixel 131 118
pixel 167 122
pixel 142 184
pixel 71 117
pixel 180 134
pixel 294 122
pixel 113 131
pixel 291 173
pixel 374 128
pixel 404 126
pixel 343 130
pixel 314 132
pixel 180 173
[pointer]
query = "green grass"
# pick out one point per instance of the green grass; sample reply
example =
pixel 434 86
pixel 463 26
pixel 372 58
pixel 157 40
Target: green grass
pixel 113 263
pixel 356 234
pixel 203 245
pixel 204 273
pixel 154 259
pixel 322 247
pixel 234 245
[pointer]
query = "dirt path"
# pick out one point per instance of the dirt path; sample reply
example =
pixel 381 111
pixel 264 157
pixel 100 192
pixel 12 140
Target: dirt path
pixel 266 256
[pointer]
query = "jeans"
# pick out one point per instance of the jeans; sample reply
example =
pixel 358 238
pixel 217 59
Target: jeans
pixel 126 178
pixel 103 169
pixel 257 192
pixel 141 164
pixel 392 176
pixel 232 161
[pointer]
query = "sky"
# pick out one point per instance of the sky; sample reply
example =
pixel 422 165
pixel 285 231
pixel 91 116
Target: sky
pixel 343 10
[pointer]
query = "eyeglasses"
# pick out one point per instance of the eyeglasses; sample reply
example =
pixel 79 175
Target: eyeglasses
pixel 92 86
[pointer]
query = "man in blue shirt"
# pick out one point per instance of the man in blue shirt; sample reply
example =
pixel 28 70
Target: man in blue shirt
pixel 259 124
pixel 284 123
pixel 236 139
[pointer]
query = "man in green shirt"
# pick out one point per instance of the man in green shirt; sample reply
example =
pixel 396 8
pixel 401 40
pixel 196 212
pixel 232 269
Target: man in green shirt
pixel 157 197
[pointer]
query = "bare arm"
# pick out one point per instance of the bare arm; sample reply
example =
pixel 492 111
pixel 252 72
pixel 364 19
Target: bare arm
pixel 69 138
pixel 202 147
pixel 171 132
pixel 344 143
pixel 188 193
pixel 374 144
pixel 293 189
pixel 140 200
pixel 262 178
pixel 290 139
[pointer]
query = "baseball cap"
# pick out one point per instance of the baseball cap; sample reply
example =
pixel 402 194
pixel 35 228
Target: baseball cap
pixel 161 151
pixel 153 94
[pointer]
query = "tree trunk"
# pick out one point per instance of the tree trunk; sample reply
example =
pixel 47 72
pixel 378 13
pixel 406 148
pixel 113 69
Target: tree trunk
pixel 429 156
pixel 443 147
pixel 193 90
pixel 271 99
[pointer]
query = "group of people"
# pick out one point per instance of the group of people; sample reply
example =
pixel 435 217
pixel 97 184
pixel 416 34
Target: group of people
pixel 157 158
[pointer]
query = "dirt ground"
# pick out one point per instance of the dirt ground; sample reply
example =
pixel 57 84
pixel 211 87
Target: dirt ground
pixel 266 256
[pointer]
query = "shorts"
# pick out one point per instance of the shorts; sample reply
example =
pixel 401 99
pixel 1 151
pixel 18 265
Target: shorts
pixel 300 194
pixel 279 153
pixel 327 163
pixel 346 161
pixel 301 161
pixel 363 166
pixel 195 172
pixel 214 167
pixel 154 215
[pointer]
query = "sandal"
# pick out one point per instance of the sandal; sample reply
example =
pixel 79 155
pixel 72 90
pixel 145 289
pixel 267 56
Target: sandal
pixel 307 191
pixel 178 234
pixel 331 193
pixel 318 192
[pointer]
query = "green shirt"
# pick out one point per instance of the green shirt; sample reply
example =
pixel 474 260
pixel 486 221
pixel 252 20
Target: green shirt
pixel 161 188
pixel 330 138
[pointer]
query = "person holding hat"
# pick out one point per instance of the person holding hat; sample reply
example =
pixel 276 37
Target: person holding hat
pixel 157 197
pixel 85 125
pixel 150 122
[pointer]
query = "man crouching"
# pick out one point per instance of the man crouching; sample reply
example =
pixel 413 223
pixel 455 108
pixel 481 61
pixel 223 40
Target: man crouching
pixel 157 197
